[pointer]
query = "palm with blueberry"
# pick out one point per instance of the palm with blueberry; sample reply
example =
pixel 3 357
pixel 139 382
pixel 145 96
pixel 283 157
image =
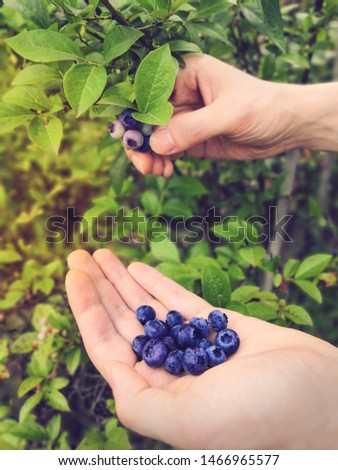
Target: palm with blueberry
pixel 269 394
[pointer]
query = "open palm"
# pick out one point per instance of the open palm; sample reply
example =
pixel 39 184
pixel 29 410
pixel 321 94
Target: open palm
pixel 268 395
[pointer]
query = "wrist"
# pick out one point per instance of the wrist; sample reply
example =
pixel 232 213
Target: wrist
pixel 313 116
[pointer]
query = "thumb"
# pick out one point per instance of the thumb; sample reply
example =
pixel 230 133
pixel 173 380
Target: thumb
pixel 187 130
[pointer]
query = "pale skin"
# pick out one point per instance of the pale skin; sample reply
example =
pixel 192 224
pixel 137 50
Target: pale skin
pixel 279 391
pixel 224 113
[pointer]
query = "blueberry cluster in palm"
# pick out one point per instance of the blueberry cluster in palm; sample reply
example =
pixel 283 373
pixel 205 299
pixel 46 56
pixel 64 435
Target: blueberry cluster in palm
pixel 135 134
pixel 184 346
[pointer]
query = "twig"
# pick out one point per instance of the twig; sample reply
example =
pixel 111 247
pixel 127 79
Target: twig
pixel 115 14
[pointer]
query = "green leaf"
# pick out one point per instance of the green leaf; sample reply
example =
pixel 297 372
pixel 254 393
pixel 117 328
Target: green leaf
pixel 30 431
pixel 310 289
pixel 28 97
pixel 3 349
pixel 73 360
pixel 9 256
pixel 118 439
pixel 29 404
pixel 158 115
pixel 150 201
pixel 187 186
pixel 93 440
pixel 155 79
pixel 118 170
pixel 4 373
pixel 46 132
pixel 113 97
pixel 35 11
pixel 63 442
pixel 277 280
pixel 45 46
pixel 244 293
pixel 11 298
pixel 273 21
pixel 58 383
pixel 179 273
pixel 83 85
pixel 24 343
pixel 290 267
pixel 164 250
pixel 36 74
pixel 215 286
pixel 209 7
pixel 54 427
pixel 237 307
pixel 252 255
pixel 261 310
pixel 175 207
pixel 119 40
pixel 28 384
pixel 298 315
pixel 12 116
pixel 312 266
pixel 56 400
pixel 177 45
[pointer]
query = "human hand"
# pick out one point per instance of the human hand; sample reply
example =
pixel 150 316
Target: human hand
pixel 220 113
pixel 278 391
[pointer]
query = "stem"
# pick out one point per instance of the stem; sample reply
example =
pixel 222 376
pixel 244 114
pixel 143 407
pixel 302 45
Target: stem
pixel 115 15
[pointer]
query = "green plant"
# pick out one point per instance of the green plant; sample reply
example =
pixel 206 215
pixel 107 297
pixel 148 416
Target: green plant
pixel 97 59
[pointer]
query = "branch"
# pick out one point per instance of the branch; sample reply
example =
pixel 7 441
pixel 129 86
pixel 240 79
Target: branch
pixel 115 15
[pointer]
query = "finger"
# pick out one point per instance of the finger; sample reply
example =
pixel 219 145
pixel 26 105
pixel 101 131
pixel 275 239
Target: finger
pixel 168 168
pixel 119 313
pixel 129 290
pixel 168 292
pixel 185 130
pixel 143 162
pixel 157 166
pixel 148 411
pixel 101 340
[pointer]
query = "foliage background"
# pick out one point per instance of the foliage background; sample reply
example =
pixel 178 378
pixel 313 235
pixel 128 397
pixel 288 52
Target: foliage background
pixel 50 395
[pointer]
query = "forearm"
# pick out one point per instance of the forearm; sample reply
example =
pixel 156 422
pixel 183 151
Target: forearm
pixel 314 112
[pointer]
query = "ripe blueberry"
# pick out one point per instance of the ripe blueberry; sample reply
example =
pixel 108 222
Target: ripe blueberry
pixel 195 361
pixel 218 320
pixel 174 318
pixel 173 363
pixel 145 313
pixel 201 326
pixel 145 147
pixel 156 329
pixel 154 353
pixel 174 331
pixel 138 344
pixel 203 343
pixel 146 129
pixel 133 139
pixel 215 356
pixel 116 130
pixel 228 340
pixel 170 342
pixel 187 336
pixel 128 122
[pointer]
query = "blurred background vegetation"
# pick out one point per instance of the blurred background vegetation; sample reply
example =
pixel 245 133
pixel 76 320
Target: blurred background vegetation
pixel 50 395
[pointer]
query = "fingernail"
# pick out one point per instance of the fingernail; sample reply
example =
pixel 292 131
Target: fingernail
pixel 162 142
pixel 137 161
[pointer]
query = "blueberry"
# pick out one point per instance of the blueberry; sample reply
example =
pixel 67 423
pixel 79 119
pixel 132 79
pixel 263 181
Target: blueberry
pixel 138 345
pixel 146 129
pixel 228 340
pixel 128 122
pixel 203 343
pixel 145 313
pixel 187 336
pixel 156 329
pixel 174 318
pixel 174 331
pixel 201 325
pixel 133 139
pixel 173 363
pixel 215 355
pixel 145 147
pixel 116 130
pixel 170 342
pixel 195 361
pixel 154 353
pixel 218 320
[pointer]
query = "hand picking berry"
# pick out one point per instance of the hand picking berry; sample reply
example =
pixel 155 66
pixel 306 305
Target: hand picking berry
pixel 181 346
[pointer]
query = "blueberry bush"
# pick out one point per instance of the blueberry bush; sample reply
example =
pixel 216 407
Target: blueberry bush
pixel 68 68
